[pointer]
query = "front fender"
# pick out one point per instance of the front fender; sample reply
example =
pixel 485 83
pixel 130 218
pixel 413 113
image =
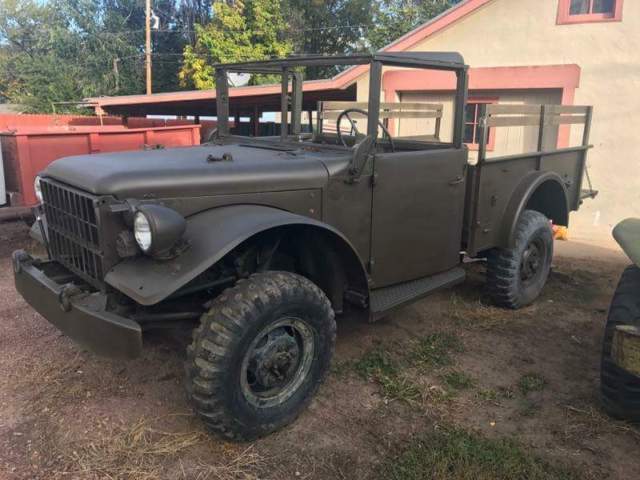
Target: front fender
pixel 211 235
pixel 627 234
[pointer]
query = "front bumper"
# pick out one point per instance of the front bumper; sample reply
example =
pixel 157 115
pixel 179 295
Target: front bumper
pixel 80 315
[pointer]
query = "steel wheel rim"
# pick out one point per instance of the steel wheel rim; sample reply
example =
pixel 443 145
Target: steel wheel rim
pixel 277 362
pixel 532 263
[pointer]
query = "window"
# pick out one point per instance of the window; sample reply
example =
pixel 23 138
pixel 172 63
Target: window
pixel 471 123
pixel 584 11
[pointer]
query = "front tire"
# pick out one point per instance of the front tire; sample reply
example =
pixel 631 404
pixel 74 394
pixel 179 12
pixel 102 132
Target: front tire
pixel 620 389
pixel 516 276
pixel 260 354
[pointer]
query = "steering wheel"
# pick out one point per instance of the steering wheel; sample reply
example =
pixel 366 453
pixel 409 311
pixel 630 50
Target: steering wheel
pixel 354 127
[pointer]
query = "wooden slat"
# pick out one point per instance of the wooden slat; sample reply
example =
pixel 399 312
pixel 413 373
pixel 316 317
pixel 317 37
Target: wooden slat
pixel 572 120
pixel 559 109
pixel 326 106
pixel 513 109
pixel 403 114
pixel 514 121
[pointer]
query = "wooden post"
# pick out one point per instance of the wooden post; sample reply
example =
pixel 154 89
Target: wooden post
pixel 147 22
pixel 116 74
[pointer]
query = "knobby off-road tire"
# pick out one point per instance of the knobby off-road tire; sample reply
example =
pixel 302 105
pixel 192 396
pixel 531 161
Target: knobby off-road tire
pixel 620 390
pixel 516 276
pixel 260 354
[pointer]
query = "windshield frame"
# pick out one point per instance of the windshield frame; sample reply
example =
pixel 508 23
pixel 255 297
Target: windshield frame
pixel 292 86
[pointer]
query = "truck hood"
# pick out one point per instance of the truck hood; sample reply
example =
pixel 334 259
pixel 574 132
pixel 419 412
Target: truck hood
pixel 192 172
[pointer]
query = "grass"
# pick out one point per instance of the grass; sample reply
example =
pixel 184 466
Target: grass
pixel 393 372
pixel 487 395
pixel 474 313
pixel 435 350
pixel 140 452
pixel 377 365
pixel 531 382
pixel 458 380
pixel 454 454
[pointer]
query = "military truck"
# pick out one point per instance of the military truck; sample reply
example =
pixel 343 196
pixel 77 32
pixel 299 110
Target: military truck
pixel 262 243
pixel 620 361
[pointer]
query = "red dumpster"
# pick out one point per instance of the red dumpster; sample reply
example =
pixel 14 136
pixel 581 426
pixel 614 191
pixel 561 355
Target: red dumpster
pixel 25 152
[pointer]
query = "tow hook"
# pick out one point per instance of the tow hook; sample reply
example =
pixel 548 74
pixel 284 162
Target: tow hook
pixel 64 297
pixel 18 258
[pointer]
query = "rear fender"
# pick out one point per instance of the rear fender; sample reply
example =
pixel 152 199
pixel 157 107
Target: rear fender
pixel 541 191
pixel 211 235
pixel 627 234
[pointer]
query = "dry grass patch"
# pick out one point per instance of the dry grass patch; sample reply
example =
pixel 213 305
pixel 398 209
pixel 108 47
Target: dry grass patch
pixel 475 313
pixel 142 452
pixel 588 421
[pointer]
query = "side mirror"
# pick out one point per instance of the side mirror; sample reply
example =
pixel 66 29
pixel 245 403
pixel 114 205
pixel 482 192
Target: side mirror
pixel 361 151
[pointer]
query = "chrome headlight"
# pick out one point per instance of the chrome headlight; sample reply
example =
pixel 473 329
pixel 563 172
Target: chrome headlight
pixel 38 189
pixel 142 231
pixel 158 230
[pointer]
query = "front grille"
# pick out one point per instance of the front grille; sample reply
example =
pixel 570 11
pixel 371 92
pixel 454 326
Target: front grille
pixel 72 227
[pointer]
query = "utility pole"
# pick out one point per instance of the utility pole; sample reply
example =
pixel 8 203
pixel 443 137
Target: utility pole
pixel 148 44
pixel 116 73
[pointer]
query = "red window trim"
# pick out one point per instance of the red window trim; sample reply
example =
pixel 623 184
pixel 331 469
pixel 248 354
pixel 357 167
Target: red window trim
pixel 565 18
pixel 491 141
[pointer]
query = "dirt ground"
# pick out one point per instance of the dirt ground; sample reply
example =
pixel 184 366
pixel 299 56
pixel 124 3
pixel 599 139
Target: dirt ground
pixel 530 376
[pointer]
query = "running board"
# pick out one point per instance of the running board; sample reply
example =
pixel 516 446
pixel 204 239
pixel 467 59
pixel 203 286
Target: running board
pixel 384 300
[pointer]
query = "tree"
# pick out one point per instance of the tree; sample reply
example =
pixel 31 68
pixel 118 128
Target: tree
pixel 65 50
pixel 394 18
pixel 60 51
pixel 328 27
pixel 238 31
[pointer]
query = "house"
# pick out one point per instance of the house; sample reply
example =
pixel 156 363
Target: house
pixel 565 52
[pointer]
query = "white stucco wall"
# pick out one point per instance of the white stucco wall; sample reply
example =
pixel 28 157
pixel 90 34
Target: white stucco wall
pixel 524 32
pixel 510 33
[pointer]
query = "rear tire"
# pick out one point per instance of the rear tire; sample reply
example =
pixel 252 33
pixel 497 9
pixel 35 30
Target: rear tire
pixel 620 389
pixel 260 354
pixel 516 276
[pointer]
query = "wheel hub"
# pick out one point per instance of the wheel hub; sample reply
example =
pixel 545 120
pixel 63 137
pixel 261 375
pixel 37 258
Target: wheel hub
pixel 276 361
pixel 531 262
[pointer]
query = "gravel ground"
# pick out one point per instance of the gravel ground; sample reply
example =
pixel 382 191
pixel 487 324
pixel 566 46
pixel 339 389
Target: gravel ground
pixel 532 377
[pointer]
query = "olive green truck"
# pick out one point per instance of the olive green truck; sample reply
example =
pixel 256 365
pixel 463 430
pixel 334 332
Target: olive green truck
pixel 259 245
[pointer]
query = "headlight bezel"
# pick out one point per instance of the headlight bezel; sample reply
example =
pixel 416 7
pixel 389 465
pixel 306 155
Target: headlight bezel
pixel 166 228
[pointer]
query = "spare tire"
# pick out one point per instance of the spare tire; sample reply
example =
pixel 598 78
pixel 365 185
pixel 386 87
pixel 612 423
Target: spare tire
pixel 620 389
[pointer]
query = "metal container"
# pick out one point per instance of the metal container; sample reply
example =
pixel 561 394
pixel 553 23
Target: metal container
pixel 27 151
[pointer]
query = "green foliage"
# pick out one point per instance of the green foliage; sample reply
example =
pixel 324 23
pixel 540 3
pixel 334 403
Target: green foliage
pixel 377 365
pixel 435 350
pixel 394 18
pixel 328 27
pixel 238 31
pixel 64 50
pixel 453 454
pixel 458 380
pixel 58 51
pixel 531 382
